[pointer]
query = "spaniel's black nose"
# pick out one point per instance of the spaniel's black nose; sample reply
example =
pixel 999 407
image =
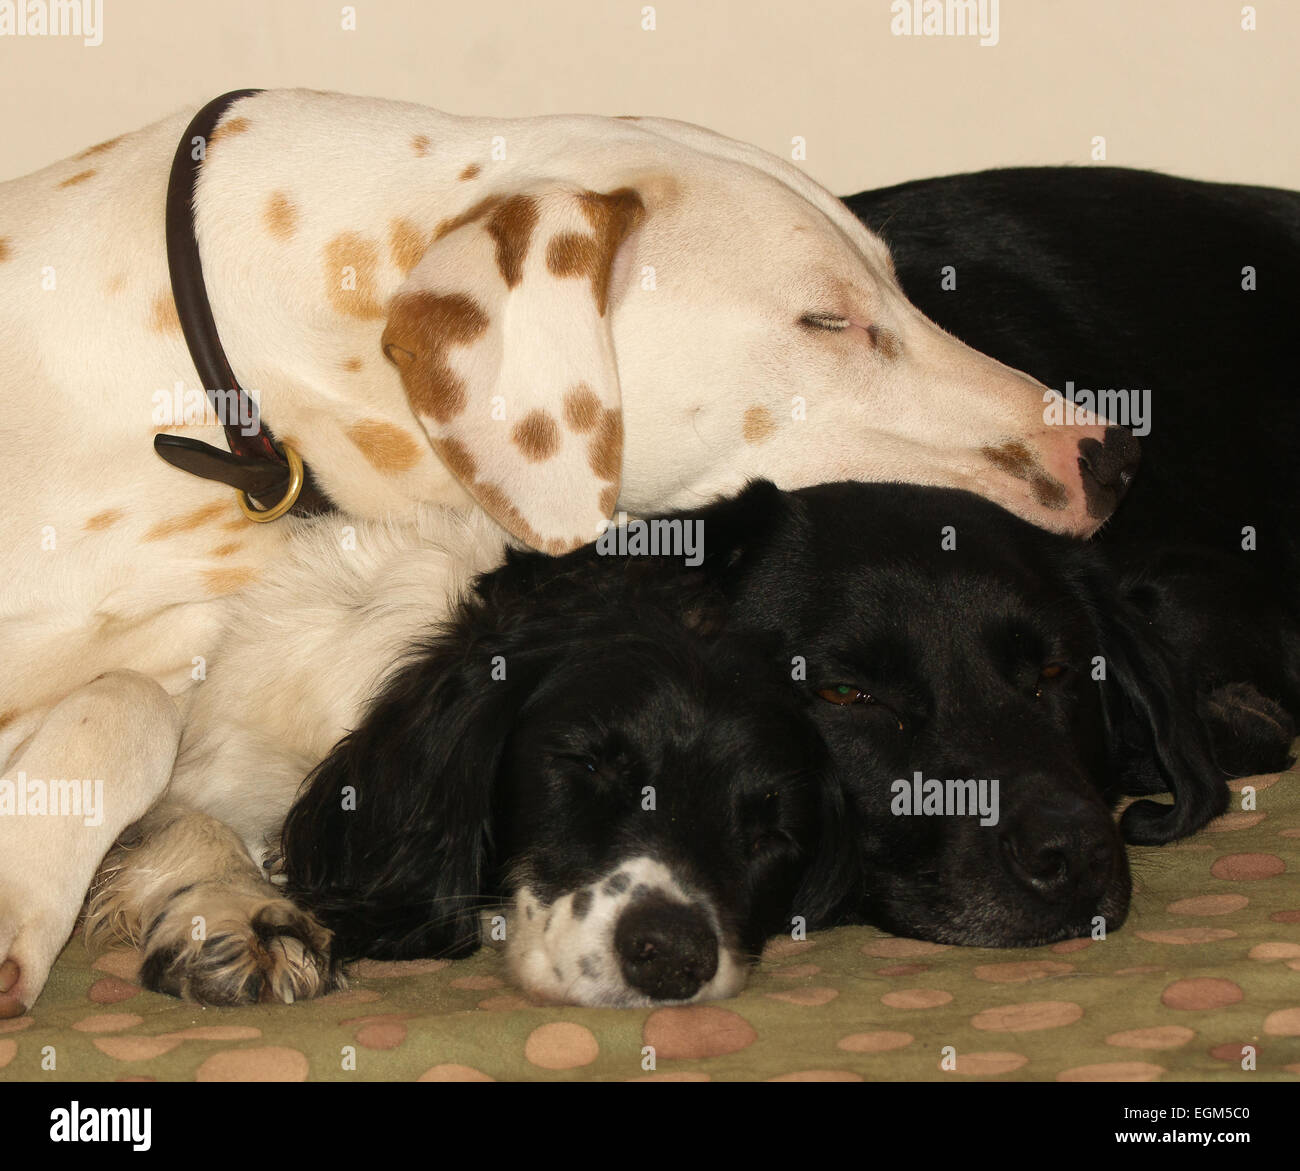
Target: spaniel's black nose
pixel 1108 469
pixel 1064 853
pixel 667 949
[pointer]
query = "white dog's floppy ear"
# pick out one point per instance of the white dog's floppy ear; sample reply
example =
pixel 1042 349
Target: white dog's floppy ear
pixel 501 335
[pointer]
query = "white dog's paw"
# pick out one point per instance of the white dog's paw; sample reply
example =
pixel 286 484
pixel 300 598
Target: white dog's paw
pixel 30 942
pixel 214 945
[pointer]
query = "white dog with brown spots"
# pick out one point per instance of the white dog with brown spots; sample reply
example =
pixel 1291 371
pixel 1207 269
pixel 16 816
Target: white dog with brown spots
pixel 552 317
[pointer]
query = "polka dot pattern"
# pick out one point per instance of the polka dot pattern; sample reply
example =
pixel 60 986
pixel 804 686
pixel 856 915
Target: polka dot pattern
pixel 1112 1071
pixel 698 1031
pixel 1248 867
pixel 562 1045
pixel 1028 1017
pixel 987 1064
pixel 1206 964
pixel 1201 993
pixel 1158 1037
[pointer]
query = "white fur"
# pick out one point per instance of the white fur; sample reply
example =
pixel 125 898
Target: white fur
pixel 109 561
pixel 569 960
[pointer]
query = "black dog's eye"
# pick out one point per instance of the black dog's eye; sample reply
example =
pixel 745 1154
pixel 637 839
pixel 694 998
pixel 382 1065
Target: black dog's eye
pixel 828 321
pixel 1049 674
pixel 575 763
pixel 767 840
pixel 845 694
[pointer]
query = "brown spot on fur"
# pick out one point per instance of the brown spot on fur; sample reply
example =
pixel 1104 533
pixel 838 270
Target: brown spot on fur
pixel 468 216
pixel 190 520
pixel 162 315
pixel 237 524
pixel 420 144
pixel 537 435
pixel 281 216
pixel 492 497
pixel 8 716
pixel 456 456
pixel 886 341
pixel 606 451
pixel 420 328
pixel 581 408
pixel 1014 458
pixel 100 147
pixel 4 248
pixel 227 549
pixel 511 225
pixel 1050 492
pixel 357 252
pixel 387 448
pixel 219 582
pixel 608 498
pixel 612 217
pixel 229 129
pixel 471 172
pixel 115 285
pixel 103 520
pixel 352 365
pixel 406 243
pixel 79 177
pixel 758 424
pixel 501 508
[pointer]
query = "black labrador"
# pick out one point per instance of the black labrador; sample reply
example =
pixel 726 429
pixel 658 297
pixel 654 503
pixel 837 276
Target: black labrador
pixel 988 693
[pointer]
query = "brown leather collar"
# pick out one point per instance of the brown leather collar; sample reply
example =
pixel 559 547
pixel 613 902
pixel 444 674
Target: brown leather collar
pixel 254 464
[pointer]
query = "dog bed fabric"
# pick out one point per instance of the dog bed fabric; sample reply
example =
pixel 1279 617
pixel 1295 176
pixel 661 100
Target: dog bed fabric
pixel 1201 983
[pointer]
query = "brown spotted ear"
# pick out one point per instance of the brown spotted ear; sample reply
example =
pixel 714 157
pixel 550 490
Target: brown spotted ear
pixel 501 336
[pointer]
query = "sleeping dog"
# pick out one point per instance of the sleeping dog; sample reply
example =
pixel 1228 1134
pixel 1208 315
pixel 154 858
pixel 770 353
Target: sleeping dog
pixel 631 311
pixel 639 796
pixel 930 637
pixel 943 640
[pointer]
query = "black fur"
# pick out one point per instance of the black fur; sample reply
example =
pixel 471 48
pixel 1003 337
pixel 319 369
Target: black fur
pixel 467 784
pixel 951 644
pixel 1108 277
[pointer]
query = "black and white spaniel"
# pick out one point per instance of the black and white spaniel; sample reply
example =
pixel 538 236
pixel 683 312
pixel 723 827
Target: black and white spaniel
pixel 585 765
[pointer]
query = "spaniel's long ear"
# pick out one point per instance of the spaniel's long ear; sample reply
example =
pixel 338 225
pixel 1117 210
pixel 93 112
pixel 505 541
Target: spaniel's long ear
pixel 388 842
pixel 501 336
pixel 1156 739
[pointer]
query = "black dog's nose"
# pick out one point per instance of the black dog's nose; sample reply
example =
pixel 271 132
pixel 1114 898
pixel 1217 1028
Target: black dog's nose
pixel 1107 469
pixel 1062 854
pixel 666 949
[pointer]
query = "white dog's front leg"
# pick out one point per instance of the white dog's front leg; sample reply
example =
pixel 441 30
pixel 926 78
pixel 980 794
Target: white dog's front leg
pixel 93 765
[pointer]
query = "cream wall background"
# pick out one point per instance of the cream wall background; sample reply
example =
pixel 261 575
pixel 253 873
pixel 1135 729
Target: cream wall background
pixel 1175 85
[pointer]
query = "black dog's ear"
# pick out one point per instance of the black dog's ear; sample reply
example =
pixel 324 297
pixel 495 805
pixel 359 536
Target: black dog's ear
pixel 388 842
pixel 1155 739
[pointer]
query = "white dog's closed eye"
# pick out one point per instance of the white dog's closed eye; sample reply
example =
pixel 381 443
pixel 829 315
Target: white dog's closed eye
pixel 634 937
